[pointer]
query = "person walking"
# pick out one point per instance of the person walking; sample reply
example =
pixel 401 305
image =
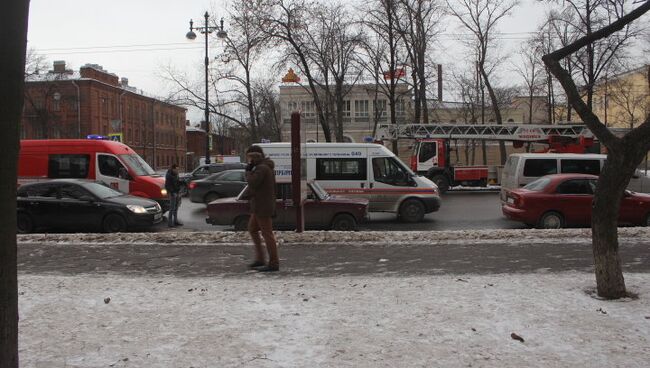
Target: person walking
pixel 173 187
pixel 261 193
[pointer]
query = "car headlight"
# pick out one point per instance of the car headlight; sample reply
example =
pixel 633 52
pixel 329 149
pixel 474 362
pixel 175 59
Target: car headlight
pixel 163 191
pixel 158 208
pixel 136 209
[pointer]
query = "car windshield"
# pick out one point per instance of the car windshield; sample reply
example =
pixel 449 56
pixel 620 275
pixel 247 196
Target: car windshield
pixel 139 166
pixel 538 185
pixel 320 192
pixel 101 190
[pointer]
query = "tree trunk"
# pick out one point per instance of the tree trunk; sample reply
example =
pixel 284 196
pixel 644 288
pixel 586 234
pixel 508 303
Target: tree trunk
pixel 497 114
pixel 604 226
pixel 417 108
pixel 13 37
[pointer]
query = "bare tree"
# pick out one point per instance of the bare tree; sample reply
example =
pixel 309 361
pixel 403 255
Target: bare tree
pixel 383 53
pixel 13 36
pixel 287 22
pixel 531 70
pixel 35 63
pixel 604 56
pixel 631 104
pixel 481 18
pixel 332 40
pixel 244 47
pixel 623 157
pixel 418 22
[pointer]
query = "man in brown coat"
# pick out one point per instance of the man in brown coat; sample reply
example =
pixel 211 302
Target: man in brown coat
pixel 261 192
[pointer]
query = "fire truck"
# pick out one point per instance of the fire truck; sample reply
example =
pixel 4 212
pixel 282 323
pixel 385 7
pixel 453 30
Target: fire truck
pixel 431 151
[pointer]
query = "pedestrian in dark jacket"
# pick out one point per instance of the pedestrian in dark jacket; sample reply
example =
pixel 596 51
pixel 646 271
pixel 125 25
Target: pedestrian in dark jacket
pixel 173 187
pixel 261 193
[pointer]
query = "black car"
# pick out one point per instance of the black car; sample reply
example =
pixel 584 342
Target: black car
pixel 203 171
pixel 221 185
pixel 82 204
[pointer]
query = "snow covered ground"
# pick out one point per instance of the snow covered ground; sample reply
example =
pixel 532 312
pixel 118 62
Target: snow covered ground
pixel 274 321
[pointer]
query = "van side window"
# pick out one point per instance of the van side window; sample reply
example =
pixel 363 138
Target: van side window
pixel 386 170
pixel 68 166
pixel 577 186
pixel 539 167
pixel 580 166
pixel 341 169
pixel 110 165
pixel 427 151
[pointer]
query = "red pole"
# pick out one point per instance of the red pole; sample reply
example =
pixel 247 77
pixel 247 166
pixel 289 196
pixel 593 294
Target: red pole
pixel 295 170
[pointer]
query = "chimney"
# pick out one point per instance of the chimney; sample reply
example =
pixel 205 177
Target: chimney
pixel 440 82
pixel 59 66
pixel 124 82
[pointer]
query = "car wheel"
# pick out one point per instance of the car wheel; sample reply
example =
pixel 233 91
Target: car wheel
pixel 210 197
pixel 442 182
pixel 647 221
pixel 344 222
pixel 551 220
pixel 114 223
pixel 241 223
pixel 412 210
pixel 25 224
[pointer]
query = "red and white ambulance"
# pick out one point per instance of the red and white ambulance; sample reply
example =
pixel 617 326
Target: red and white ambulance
pixel 113 163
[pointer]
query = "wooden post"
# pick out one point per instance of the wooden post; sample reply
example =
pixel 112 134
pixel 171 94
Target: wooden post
pixel 296 174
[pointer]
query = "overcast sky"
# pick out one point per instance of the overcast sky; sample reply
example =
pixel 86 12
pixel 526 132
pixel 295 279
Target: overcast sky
pixel 136 39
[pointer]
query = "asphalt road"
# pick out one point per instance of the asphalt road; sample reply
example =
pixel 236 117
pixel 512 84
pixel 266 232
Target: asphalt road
pixel 459 211
pixel 320 260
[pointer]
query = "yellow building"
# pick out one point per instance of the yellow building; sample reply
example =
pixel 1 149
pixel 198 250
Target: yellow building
pixel 623 100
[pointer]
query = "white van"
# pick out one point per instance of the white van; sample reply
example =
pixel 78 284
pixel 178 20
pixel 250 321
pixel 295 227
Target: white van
pixel 523 168
pixel 361 170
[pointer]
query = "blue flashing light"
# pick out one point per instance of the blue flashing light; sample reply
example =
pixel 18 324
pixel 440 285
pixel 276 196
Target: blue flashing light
pixel 96 136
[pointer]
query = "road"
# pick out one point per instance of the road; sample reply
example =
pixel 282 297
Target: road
pixel 459 211
pixel 321 260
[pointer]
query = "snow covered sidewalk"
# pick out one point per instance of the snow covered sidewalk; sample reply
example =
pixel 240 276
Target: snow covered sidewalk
pixel 346 321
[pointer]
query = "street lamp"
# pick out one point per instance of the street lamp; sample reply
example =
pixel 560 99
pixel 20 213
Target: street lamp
pixel 206 29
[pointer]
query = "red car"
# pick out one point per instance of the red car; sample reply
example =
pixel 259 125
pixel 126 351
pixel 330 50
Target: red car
pixel 321 210
pixel 563 200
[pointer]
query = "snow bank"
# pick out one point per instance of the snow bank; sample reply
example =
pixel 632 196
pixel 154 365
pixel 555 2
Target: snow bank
pixel 514 236
pixel 272 321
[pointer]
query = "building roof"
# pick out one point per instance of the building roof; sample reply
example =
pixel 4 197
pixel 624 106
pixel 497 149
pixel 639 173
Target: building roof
pixel 70 75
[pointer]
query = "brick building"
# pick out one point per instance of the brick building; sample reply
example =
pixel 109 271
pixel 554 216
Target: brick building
pixel 221 145
pixel 63 103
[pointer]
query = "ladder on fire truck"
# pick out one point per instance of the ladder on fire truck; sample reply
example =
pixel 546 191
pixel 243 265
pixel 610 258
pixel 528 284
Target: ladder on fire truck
pixel 505 132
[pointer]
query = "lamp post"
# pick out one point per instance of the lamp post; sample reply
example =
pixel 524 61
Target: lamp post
pixel 206 29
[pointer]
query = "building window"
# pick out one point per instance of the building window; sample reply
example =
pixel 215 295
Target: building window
pixel 292 106
pixel 400 108
pixel 361 108
pixel 307 109
pixel 380 108
pixel 346 108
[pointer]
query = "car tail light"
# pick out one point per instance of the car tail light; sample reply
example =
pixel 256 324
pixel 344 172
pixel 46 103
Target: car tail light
pixel 192 185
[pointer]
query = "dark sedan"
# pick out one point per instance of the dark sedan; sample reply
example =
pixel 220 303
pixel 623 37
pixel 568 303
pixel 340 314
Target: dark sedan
pixel 221 185
pixel 206 170
pixel 80 205
pixel 321 210
pixel 564 200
